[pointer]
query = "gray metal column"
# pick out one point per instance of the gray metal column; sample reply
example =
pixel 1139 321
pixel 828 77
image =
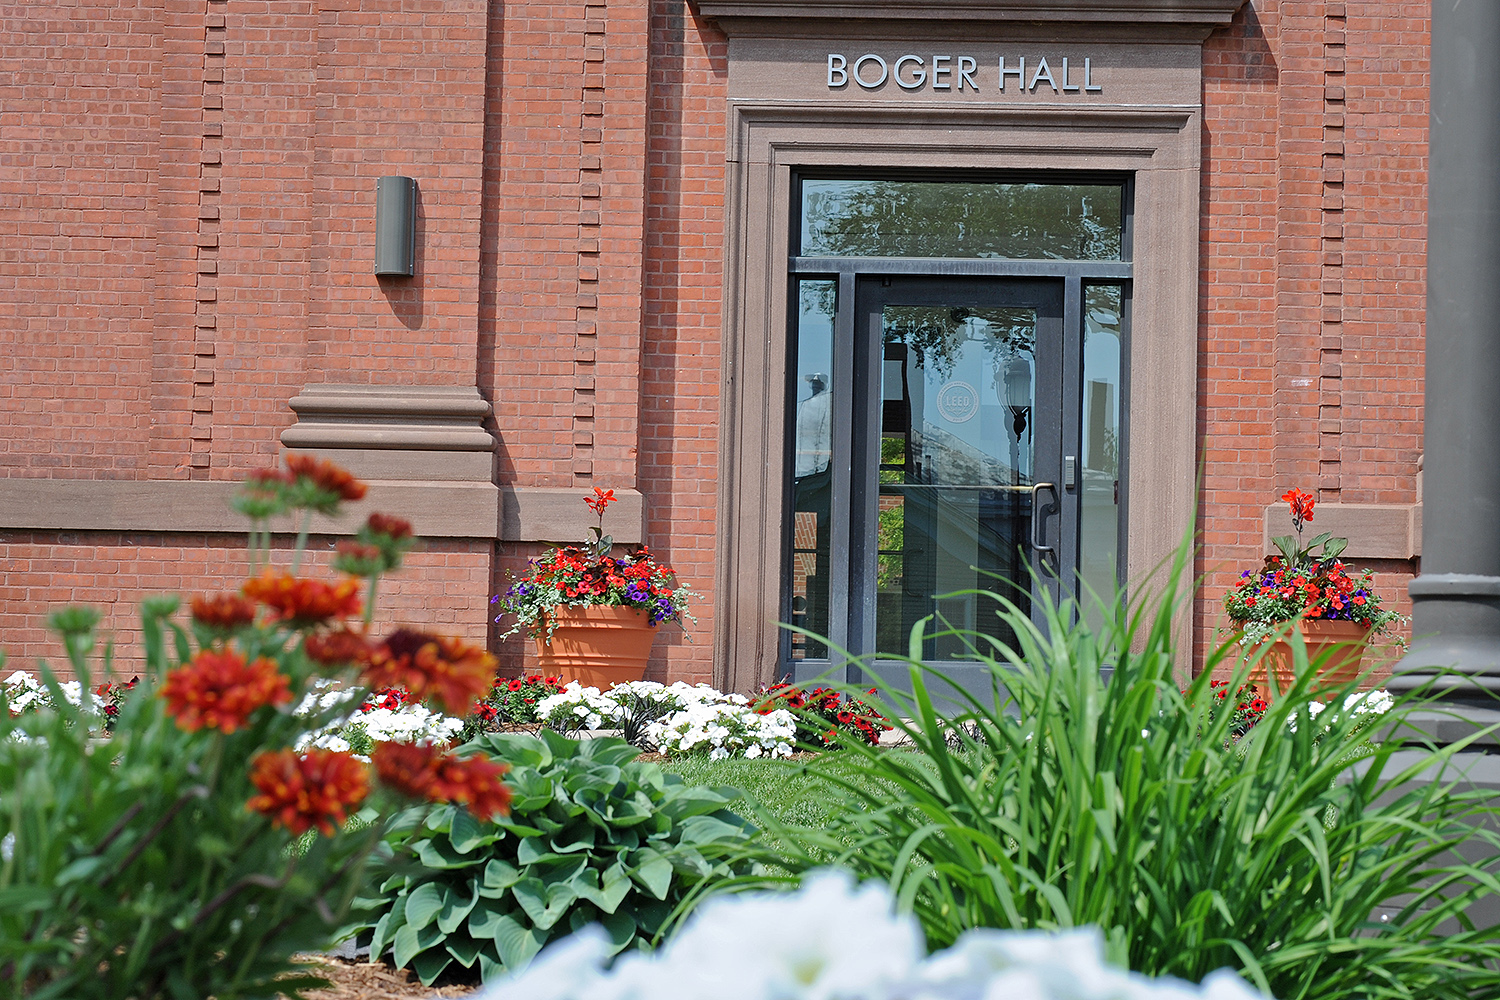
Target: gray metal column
pixel 1456 600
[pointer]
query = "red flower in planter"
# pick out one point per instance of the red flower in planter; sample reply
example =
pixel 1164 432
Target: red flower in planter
pixel 304 602
pixel 221 691
pixel 302 791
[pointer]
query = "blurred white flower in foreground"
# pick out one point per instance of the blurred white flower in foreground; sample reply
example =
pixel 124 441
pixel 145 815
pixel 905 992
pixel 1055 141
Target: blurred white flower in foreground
pixel 833 940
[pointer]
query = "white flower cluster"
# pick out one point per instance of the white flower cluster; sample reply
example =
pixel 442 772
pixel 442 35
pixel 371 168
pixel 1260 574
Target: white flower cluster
pixel 725 729
pixel 411 723
pixel 834 941
pixel 578 707
pixel 1361 703
pixel 25 693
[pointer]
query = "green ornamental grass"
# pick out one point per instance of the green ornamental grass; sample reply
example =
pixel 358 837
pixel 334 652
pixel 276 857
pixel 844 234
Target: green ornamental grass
pixel 1087 788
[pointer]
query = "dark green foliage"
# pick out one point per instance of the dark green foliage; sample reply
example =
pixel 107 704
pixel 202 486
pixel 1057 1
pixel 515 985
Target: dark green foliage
pixel 1071 797
pixel 594 836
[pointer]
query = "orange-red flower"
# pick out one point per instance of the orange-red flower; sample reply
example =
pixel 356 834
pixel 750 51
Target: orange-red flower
pixel 221 691
pixel 600 500
pixel 407 767
pixel 326 476
pixel 304 602
pixel 473 782
pixel 425 772
pixel 1301 505
pixel 224 611
pixel 448 669
pixel 302 791
pixel 338 648
pixel 385 524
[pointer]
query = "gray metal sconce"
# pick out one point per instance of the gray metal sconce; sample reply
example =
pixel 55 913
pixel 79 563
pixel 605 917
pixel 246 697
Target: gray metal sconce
pixel 396 227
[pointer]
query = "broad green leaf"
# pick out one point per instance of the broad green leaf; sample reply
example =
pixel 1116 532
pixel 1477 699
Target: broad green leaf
pixel 409 941
pixel 423 905
pixel 430 964
pixel 655 875
pixel 436 852
pixel 463 948
pixel 713 829
pixel 500 874
pixel 485 917
pixel 468 833
pixel 621 930
pixel 517 944
pixel 456 907
pixel 533 850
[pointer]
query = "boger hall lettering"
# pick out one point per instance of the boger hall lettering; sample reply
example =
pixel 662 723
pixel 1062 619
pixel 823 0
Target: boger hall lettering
pixel 958 73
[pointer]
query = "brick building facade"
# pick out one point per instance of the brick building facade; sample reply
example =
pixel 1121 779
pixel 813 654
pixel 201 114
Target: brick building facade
pixel 600 299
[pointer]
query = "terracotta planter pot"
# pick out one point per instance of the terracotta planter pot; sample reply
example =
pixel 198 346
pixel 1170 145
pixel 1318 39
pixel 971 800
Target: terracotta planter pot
pixel 1341 668
pixel 597 646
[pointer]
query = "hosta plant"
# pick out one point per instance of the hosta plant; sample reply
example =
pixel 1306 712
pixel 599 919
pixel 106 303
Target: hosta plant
pixel 593 836
pixel 173 855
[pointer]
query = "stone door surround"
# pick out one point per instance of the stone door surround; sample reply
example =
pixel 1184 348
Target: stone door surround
pixel 860 87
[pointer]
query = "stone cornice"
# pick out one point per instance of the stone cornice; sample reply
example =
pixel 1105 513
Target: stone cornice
pixel 1203 13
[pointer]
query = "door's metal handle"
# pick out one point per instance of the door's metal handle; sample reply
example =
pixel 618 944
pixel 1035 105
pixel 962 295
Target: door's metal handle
pixel 1036 515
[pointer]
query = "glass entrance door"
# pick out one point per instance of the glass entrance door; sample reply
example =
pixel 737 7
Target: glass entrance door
pixel 958 460
pixel 928 463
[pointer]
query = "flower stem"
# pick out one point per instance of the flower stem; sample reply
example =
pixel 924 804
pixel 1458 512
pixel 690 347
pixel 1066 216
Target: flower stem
pixel 302 540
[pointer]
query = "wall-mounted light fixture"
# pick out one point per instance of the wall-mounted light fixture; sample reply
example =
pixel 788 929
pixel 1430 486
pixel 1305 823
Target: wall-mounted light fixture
pixel 396 227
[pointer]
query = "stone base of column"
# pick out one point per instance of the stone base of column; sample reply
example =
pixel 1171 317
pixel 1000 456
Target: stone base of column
pixel 1456 623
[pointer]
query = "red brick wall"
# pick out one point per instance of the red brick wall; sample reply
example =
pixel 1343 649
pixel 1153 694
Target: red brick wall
pixel 441 587
pixel 1314 182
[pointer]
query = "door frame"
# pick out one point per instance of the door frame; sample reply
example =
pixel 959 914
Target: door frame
pixel 772 141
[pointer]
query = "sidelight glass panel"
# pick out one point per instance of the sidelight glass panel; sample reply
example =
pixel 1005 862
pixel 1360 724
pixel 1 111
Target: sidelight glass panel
pixel 888 218
pixel 812 455
pixel 956 458
pixel 1099 500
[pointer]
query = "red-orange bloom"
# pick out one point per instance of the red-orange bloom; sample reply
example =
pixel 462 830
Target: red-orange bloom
pixel 406 767
pixel 385 524
pixel 1301 505
pixel 473 782
pixel 304 602
pixel 223 611
pixel 600 500
pixel 450 670
pixel 221 691
pixel 338 648
pixel 326 476
pixel 302 791
pixel 425 772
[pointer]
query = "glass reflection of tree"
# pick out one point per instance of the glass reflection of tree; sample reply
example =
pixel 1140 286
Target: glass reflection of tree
pixel 936 334
pixel 873 218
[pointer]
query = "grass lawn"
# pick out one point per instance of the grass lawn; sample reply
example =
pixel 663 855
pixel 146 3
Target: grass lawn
pixel 793 791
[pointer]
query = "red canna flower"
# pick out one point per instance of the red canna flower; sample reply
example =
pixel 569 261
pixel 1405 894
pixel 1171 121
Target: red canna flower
pixel 302 791
pixel 600 500
pixel 1301 504
pixel 304 602
pixel 448 669
pixel 326 476
pixel 221 691
pixel 226 611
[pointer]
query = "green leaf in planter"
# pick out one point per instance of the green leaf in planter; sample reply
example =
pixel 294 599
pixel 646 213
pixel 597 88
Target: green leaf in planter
pixel 408 941
pixel 464 948
pixel 430 964
pixel 517 943
pixel 423 905
pixel 455 908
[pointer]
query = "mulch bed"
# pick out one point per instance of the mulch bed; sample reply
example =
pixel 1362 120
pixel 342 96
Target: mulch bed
pixel 358 980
